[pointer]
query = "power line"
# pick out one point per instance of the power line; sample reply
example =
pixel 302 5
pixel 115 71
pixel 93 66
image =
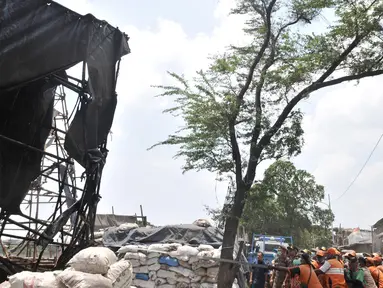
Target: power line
pixel 361 170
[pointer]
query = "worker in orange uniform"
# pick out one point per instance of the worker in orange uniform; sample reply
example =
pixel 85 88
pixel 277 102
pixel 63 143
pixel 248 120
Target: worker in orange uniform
pixel 378 262
pixel 339 257
pixel 332 270
pixel 317 262
pixel 375 272
pixel 304 272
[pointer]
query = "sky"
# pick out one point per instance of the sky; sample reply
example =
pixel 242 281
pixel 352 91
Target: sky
pixel 342 123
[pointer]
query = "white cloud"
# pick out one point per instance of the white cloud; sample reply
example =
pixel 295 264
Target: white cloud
pixel 340 134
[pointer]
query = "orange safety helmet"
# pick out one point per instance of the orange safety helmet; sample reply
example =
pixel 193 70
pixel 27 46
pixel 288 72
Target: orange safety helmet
pixel 320 253
pixel 332 251
pixel 377 260
pixel 350 254
pixel 370 260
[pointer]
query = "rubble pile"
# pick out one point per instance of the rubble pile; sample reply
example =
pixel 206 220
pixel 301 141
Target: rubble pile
pixel 89 268
pixel 172 265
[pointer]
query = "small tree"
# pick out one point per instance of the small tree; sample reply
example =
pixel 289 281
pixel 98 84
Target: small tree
pixel 287 202
pixel 242 110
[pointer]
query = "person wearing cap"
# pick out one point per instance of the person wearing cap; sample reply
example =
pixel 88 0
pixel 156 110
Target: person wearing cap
pixel 368 280
pixel 354 274
pixel 317 262
pixel 375 272
pixel 333 271
pixel 279 278
pixel 320 258
pixel 304 273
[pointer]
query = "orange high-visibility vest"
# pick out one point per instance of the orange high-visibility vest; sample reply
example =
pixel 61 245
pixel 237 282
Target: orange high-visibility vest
pixel 377 275
pixel 334 277
pixel 315 264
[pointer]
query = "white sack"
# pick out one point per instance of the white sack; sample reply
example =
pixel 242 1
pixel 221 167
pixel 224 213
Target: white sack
pixel 152 275
pixel 202 223
pixel 200 271
pixel 34 280
pixel 209 279
pixel 76 279
pixel 94 260
pixel 204 247
pixel 166 274
pixel 160 281
pixel 196 279
pixel 98 235
pixel 212 272
pixel 132 248
pixel 184 253
pixel 152 255
pixel 121 274
pixel 154 267
pixel 167 286
pixel 171 281
pixel 143 284
pixel 138 256
pixel 217 253
pixel 163 247
pixel 181 279
pixel 135 256
pixel 141 269
pixel 152 261
pixel 182 285
pixel 135 263
pixel 182 271
pixel 185 264
pixel 5 284
pixel 127 226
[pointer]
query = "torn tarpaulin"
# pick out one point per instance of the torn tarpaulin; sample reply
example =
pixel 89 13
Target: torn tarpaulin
pixel 39 38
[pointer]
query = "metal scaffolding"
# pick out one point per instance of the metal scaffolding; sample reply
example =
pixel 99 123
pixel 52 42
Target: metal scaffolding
pixel 63 193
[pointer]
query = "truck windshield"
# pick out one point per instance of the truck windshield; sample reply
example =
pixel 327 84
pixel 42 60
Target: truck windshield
pixel 271 247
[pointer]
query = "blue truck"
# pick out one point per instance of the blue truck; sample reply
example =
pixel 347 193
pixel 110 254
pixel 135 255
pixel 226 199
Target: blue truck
pixel 268 245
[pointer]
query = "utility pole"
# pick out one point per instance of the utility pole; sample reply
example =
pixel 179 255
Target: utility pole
pixel 332 224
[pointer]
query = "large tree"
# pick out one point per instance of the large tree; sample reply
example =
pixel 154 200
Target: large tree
pixel 242 110
pixel 286 202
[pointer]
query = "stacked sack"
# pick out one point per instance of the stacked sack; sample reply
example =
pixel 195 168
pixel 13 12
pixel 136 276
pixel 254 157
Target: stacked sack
pixel 89 268
pixel 173 265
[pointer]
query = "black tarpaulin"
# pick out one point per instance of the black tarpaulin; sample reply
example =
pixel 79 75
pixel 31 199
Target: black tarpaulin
pixel 183 234
pixel 39 38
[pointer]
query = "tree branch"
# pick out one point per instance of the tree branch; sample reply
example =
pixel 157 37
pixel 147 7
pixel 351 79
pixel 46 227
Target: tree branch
pixel 252 164
pixel 259 56
pixel 348 78
pixel 315 86
pixel 236 154
pixel 340 59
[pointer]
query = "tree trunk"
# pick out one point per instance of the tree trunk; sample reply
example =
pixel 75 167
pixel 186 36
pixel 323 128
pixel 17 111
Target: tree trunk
pixel 227 271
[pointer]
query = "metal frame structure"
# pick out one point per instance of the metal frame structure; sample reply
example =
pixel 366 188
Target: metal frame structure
pixel 60 171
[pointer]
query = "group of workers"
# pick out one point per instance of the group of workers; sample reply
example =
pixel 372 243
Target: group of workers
pixel 327 268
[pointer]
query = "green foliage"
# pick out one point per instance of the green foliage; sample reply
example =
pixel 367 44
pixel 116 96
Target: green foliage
pixel 287 202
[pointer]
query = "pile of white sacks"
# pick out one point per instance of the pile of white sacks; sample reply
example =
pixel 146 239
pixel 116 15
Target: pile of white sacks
pixel 94 267
pixel 172 265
